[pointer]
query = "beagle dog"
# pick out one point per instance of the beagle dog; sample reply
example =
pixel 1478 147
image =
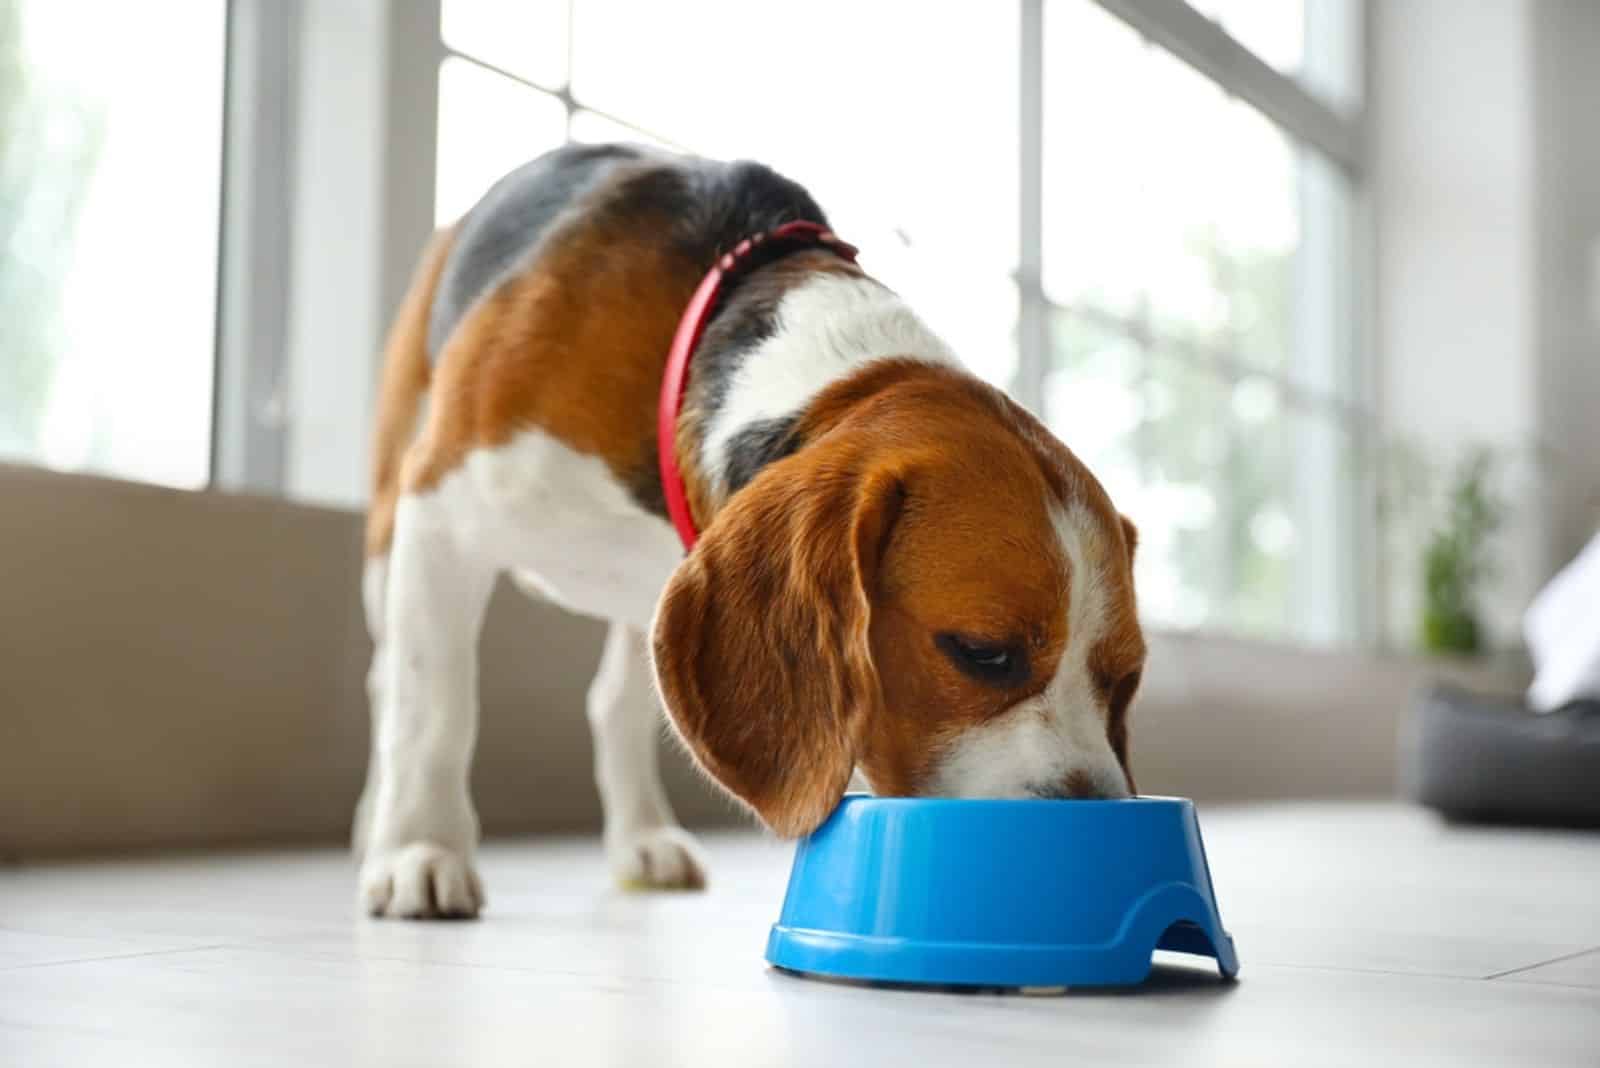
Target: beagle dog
pixel 895 570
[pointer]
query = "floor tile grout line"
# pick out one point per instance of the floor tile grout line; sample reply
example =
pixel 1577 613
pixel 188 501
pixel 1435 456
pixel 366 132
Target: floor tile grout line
pixel 330 957
pixel 1551 984
pixel 1352 970
pixel 117 956
pixel 1543 963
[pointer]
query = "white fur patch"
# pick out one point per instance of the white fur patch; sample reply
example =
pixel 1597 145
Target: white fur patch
pixel 1038 743
pixel 564 526
pixel 827 328
pixel 374 586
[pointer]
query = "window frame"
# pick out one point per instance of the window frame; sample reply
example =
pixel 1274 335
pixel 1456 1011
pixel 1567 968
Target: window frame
pixel 562 92
pixel 329 129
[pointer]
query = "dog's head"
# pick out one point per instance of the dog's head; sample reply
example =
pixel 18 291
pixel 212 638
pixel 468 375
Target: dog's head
pixel 933 590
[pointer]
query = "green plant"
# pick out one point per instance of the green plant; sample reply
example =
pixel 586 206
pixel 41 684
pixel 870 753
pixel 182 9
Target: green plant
pixel 1458 558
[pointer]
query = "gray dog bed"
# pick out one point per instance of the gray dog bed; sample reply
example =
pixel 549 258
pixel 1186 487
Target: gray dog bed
pixel 1481 758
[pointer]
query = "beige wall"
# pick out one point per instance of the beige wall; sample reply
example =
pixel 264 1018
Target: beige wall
pixel 186 669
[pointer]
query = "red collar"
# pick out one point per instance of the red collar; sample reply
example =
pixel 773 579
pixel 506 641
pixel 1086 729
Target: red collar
pixel 676 376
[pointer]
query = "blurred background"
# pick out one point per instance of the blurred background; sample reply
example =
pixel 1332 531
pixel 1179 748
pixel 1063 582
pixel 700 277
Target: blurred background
pixel 1312 285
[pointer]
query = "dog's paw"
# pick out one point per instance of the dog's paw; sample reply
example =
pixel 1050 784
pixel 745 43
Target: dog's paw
pixel 421 881
pixel 657 858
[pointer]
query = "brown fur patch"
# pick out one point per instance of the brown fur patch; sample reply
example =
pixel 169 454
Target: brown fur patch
pixel 405 380
pixel 552 348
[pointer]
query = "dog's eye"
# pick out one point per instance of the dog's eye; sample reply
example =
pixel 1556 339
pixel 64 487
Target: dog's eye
pixel 998 663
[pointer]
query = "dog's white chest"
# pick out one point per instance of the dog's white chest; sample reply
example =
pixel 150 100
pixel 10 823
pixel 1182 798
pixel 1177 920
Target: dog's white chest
pixel 563 525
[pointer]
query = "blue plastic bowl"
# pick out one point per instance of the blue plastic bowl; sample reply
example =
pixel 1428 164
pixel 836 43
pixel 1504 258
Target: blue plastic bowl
pixel 999 893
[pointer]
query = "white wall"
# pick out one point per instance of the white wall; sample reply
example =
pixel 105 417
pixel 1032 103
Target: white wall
pixel 1484 164
pixel 1566 48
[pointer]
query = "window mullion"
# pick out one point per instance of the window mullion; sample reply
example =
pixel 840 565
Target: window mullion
pixel 1196 40
pixel 248 428
pixel 1033 327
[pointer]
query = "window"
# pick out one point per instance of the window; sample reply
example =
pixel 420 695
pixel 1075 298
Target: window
pixel 1137 215
pixel 474 153
pixel 109 191
pixel 1196 272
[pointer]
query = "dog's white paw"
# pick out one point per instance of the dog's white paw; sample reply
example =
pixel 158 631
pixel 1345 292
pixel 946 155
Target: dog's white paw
pixel 657 858
pixel 421 881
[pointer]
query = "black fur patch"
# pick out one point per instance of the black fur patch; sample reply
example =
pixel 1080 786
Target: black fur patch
pixel 756 446
pixel 503 229
pixel 734 200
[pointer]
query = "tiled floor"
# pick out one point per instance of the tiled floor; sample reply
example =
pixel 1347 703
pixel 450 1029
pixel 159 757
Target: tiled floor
pixel 1369 935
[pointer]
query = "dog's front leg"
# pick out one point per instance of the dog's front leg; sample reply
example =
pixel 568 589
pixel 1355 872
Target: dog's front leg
pixel 644 844
pixel 419 847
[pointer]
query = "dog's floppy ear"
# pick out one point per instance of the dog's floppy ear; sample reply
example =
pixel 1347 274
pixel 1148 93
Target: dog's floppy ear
pixel 761 638
pixel 1130 535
